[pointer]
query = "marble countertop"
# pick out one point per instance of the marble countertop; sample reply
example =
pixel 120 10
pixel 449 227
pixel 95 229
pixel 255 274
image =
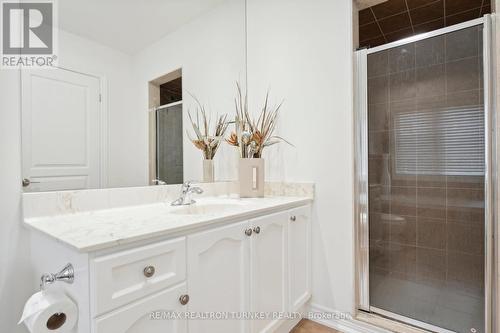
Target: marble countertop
pixel 102 229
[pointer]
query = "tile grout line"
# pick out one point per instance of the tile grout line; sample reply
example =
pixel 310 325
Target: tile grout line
pixel 384 35
pixel 464 11
pixel 426 22
pixel 416 155
pixel 444 12
pixel 445 42
pixel 409 15
pixel 398 13
pixel 378 24
pixel 388 157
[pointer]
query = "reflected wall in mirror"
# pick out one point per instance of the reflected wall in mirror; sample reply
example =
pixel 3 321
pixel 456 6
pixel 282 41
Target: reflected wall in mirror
pixel 114 112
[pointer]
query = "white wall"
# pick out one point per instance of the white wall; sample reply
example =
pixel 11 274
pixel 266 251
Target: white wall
pixel 126 134
pixel 302 50
pixel 16 279
pixel 496 59
pixel 211 52
pixel 15 274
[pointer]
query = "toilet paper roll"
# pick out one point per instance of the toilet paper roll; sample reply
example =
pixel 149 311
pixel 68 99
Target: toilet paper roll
pixel 48 311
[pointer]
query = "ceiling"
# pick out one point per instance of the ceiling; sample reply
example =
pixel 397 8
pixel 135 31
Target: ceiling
pixel 128 25
pixel 397 19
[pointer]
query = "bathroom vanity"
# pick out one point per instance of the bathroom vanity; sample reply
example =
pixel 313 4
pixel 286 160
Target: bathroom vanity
pixel 223 264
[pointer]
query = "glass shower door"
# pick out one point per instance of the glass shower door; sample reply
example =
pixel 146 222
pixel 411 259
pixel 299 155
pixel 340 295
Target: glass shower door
pixel 426 182
pixel 169 136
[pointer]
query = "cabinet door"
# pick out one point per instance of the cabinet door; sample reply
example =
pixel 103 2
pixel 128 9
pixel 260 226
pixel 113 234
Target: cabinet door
pixel 152 314
pixel 299 255
pixel 268 265
pixel 218 277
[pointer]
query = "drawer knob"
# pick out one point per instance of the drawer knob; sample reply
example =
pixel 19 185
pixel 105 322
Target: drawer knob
pixel 184 299
pixel 293 218
pixel 248 232
pixel 256 230
pixel 149 271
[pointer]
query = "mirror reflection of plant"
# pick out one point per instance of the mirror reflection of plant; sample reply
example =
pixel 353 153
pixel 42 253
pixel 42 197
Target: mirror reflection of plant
pixel 205 141
pixel 252 136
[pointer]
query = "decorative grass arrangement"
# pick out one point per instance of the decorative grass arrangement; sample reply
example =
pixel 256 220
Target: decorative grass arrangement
pixel 205 141
pixel 252 136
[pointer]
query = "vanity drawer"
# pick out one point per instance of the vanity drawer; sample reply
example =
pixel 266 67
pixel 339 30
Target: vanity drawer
pixel 122 277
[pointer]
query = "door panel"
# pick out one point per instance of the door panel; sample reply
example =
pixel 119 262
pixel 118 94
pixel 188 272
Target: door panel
pixel 426 180
pixel 60 128
pixel 268 265
pixel 299 256
pixel 218 277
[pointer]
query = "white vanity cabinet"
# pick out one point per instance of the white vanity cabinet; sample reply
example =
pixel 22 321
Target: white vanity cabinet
pixel 246 268
pixel 253 264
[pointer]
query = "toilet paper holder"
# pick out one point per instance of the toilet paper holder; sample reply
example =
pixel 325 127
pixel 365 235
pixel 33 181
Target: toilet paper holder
pixel 67 274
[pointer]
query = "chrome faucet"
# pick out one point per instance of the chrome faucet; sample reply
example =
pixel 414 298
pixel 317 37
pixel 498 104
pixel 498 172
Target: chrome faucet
pixel 185 198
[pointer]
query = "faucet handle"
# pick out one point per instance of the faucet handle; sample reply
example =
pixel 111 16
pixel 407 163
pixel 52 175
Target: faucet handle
pixel 187 183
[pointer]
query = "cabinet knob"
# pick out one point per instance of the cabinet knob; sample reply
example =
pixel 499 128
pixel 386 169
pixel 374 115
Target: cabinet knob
pixel 293 218
pixel 149 271
pixel 184 299
pixel 248 232
pixel 256 230
pixel 27 182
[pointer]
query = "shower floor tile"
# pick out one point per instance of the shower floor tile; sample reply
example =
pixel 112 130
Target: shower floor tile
pixel 435 304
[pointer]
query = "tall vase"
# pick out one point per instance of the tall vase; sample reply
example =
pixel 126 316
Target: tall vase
pixel 251 177
pixel 208 171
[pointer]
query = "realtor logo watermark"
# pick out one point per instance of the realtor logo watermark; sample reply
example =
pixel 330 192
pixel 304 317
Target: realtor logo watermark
pixel 29 34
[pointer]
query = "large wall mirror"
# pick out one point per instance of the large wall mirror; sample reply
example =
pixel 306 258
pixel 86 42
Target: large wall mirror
pixel 114 112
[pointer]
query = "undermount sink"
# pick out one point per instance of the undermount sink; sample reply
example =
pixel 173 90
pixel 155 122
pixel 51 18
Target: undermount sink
pixel 205 208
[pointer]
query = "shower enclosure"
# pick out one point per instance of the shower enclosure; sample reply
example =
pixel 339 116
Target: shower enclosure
pixel 169 136
pixel 424 197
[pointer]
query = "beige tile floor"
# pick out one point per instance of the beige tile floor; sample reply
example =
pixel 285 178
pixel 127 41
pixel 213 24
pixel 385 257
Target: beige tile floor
pixel 307 326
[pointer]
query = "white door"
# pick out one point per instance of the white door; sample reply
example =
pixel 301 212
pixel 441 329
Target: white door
pixel 299 256
pixel 268 266
pixel 60 130
pixel 218 277
pixel 154 314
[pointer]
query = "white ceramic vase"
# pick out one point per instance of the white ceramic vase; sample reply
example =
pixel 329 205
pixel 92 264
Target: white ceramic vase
pixel 251 177
pixel 208 171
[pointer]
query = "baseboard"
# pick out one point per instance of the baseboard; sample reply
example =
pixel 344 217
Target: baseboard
pixel 286 325
pixel 338 321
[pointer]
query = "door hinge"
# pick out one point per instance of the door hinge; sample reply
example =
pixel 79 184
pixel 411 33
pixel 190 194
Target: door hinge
pixel 100 98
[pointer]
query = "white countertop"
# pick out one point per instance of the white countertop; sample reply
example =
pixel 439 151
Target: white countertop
pixel 101 229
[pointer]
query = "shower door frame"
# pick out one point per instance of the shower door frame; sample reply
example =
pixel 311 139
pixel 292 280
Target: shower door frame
pixel 361 171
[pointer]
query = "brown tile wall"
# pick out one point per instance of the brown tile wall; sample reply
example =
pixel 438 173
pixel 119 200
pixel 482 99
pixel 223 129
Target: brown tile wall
pixel 426 228
pixel 392 20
